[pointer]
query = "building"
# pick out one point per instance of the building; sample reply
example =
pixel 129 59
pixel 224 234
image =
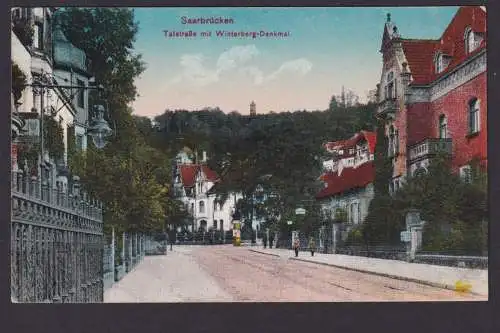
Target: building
pixel 192 184
pixel 348 180
pixel 432 95
pixel 43 54
pixel 253 109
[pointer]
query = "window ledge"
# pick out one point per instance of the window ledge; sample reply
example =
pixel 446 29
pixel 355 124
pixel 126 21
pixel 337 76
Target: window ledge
pixel 472 135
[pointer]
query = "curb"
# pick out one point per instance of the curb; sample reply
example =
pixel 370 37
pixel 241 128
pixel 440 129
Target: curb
pixel 396 277
pixel 266 253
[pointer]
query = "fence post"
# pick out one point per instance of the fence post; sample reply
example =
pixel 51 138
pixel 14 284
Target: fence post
pixel 135 249
pixel 113 252
pixel 129 249
pixel 122 254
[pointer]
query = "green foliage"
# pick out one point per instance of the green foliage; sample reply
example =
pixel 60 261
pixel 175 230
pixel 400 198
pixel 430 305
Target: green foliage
pixel 129 175
pixel 53 137
pixel 455 212
pixel 340 215
pixel 384 221
pixel 383 164
pixel 18 82
pixel 355 237
pixel 244 149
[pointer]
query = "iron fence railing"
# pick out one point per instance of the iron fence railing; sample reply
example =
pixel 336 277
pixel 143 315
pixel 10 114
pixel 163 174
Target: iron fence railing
pixel 122 255
pixel 56 245
pixel 477 262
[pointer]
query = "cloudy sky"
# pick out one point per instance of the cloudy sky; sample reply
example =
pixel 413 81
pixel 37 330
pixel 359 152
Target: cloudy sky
pixel 327 48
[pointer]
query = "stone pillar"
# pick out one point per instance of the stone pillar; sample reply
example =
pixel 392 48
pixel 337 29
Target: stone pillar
pixel 122 255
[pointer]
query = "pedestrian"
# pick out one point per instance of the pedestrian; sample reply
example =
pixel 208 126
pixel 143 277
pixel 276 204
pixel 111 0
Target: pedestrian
pixel 296 246
pixel 271 240
pixel 264 240
pixel 312 246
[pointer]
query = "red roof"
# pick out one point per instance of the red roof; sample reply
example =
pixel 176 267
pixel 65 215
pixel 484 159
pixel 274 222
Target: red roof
pixel 189 171
pixel 420 53
pixel 350 178
pixel 370 137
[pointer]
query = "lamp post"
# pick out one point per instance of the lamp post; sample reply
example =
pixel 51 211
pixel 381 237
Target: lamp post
pixel 98 129
pixel 290 223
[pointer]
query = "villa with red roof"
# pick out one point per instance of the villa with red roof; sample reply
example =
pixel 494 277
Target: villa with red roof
pixel 348 180
pixel 192 183
pixel 432 95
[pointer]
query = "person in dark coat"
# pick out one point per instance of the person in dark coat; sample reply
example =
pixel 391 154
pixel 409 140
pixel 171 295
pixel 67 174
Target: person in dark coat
pixel 296 246
pixel 264 240
pixel 271 240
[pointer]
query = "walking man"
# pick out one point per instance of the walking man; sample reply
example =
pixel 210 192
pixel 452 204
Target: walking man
pixel 312 246
pixel 296 246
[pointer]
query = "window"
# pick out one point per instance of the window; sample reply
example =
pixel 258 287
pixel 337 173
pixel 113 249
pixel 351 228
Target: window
pixel 221 225
pixel 215 224
pixel 391 141
pixel 438 63
pixel 443 127
pixel 60 120
pixel 466 173
pixel 79 142
pixel 192 207
pixel 470 41
pixel 396 142
pixel 202 207
pixel 390 88
pixel 351 213
pixel 81 94
pixel 474 116
pixel 38 36
pixel 358 207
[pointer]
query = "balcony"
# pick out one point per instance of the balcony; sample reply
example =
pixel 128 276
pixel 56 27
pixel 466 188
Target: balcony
pixel 66 55
pixel 387 107
pixel 430 147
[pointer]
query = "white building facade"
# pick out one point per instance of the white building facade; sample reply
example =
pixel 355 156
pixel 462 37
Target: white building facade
pixel 43 54
pixel 192 183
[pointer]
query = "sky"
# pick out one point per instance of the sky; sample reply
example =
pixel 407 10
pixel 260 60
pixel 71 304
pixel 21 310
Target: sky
pixel 326 48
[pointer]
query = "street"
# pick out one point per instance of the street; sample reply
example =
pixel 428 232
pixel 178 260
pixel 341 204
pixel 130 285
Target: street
pixel 226 273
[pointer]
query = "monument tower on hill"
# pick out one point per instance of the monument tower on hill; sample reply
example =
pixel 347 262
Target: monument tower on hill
pixel 253 109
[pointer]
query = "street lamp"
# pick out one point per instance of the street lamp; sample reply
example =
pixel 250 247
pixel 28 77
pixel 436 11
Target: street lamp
pixel 99 129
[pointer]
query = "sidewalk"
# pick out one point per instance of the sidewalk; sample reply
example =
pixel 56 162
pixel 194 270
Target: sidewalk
pixel 175 277
pixel 437 276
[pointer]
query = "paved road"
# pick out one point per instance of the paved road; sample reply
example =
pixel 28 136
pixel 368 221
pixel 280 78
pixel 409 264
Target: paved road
pixel 226 273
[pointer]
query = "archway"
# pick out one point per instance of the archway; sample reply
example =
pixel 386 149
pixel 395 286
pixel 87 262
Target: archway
pixel 203 225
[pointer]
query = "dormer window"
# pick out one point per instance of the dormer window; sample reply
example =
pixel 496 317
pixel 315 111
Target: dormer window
pixel 390 88
pixel 439 63
pixel 470 41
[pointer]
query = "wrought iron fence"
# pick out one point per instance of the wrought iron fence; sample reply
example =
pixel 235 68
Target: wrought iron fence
pixel 477 262
pixel 56 245
pixel 121 255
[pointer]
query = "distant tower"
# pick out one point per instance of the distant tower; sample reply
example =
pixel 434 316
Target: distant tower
pixel 253 109
pixel 343 97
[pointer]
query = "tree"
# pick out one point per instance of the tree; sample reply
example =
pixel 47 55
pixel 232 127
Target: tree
pixel 129 175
